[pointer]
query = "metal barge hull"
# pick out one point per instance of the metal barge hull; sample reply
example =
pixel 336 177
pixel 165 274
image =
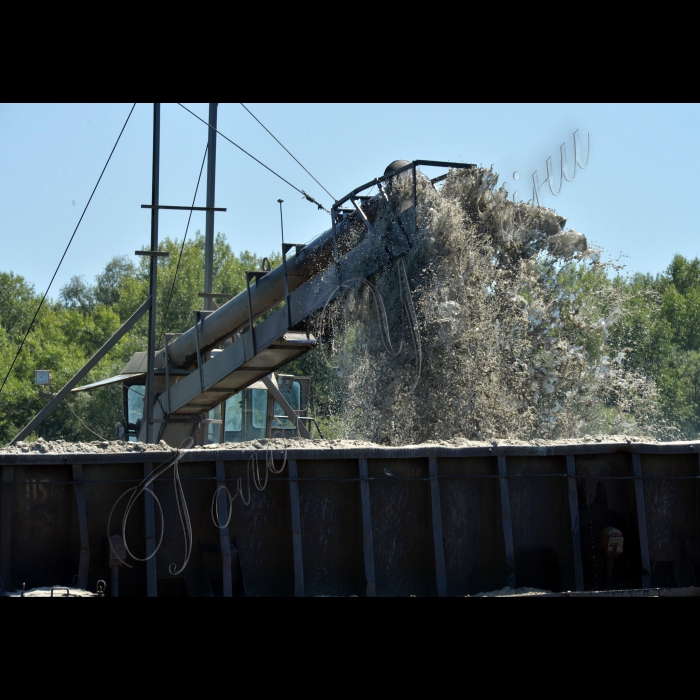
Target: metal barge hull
pixel 418 520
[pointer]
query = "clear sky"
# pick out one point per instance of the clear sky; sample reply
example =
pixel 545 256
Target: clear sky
pixel 633 199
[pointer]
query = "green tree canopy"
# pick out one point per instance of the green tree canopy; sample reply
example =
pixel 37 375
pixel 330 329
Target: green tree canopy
pixel 70 330
pixel 658 333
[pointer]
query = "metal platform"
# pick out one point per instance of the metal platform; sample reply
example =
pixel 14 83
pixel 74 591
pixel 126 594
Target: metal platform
pixel 203 391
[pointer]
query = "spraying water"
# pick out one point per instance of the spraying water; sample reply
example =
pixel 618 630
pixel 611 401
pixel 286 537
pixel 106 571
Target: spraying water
pixel 493 325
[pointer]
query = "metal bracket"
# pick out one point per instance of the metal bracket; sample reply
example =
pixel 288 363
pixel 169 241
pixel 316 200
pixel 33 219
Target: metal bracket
pixel 363 216
pixel 198 316
pixel 415 191
pixel 367 544
pixel 411 166
pixel 507 522
pixel 286 247
pixel 212 296
pixel 335 243
pixel 257 274
pixel 296 530
pixel 150 523
pixel 301 428
pixel 224 539
pixel 641 520
pixel 440 573
pixel 394 215
pixel 60 588
pixel 167 337
pixel 83 526
pixel 575 525
pixel 167 371
pixel 299 247
pixel 168 206
pixel 8 473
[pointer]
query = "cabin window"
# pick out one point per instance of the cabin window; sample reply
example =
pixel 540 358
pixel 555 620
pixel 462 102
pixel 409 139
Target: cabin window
pixel 136 394
pixel 293 396
pixel 234 414
pixel 259 412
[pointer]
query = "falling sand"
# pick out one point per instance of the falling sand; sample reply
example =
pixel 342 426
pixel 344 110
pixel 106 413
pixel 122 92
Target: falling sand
pixel 486 328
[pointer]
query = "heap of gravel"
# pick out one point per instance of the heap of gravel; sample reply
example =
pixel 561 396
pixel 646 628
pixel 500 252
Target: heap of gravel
pixel 290 443
pixel 541 442
pixel 508 592
pixel 42 446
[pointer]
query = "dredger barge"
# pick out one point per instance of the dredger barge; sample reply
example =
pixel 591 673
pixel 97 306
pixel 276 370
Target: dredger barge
pixel 617 518
pixel 310 519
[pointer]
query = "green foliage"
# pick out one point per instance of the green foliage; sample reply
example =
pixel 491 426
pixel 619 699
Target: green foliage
pixel 660 336
pixel 70 330
pixel 17 304
pixel 658 333
pixel 229 278
pixel 77 294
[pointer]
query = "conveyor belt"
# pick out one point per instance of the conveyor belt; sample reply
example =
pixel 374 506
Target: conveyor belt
pixel 269 346
pixel 278 354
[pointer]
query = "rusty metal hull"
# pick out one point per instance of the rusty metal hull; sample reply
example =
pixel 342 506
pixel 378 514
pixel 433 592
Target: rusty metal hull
pixel 421 521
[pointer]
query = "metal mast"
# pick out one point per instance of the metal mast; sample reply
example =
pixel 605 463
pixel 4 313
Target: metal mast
pixel 149 398
pixel 209 227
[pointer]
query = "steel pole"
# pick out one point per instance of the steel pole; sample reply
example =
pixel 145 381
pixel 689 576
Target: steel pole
pixel 150 394
pixel 209 226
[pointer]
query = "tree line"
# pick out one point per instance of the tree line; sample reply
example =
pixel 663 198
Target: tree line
pixel 70 329
pixel 657 334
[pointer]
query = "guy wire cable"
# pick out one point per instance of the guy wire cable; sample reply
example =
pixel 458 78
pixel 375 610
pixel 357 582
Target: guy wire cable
pixel 70 408
pixel 305 195
pixel 182 247
pixel 41 303
pixel 288 151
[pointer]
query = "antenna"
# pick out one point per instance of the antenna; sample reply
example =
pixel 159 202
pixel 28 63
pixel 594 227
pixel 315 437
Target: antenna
pixel 281 220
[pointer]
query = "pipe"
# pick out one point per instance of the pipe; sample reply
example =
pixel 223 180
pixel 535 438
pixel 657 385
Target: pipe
pixel 316 257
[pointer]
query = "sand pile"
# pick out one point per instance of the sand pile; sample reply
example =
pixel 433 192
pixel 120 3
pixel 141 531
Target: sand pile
pixel 541 442
pixel 508 592
pixel 289 443
pixel 41 446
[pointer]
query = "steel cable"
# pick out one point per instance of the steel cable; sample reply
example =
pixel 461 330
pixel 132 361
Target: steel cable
pixel 80 420
pixel 182 248
pixel 288 151
pixel 41 303
pixel 300 191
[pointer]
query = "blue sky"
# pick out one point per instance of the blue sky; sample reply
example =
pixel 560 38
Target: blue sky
pixel 633 200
